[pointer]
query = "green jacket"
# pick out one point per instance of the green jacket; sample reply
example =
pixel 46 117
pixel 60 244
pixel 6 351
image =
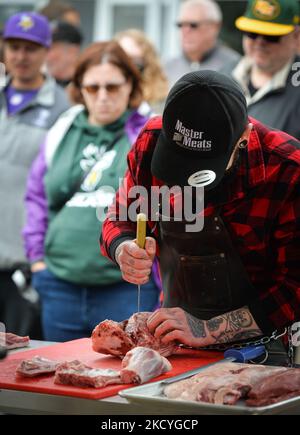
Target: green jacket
pixel 80 184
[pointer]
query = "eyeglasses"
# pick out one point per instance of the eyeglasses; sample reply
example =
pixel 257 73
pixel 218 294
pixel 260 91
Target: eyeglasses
pixel 274 39
pixel 111 88
pixel 191 24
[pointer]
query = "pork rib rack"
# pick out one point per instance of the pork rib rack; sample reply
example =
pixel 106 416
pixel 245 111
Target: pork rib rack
pixel 117 338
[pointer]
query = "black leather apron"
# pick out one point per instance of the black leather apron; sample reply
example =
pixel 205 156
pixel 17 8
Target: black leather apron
pixel 201 271
pixel 203 274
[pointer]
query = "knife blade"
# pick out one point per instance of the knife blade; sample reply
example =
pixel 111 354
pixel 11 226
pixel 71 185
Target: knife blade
pixel 230 355
pixel 140 241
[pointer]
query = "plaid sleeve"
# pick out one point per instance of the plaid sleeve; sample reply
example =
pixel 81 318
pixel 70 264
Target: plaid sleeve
pixel 282 301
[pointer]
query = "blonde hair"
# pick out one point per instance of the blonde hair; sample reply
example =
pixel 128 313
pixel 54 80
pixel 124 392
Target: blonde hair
pixel 154 81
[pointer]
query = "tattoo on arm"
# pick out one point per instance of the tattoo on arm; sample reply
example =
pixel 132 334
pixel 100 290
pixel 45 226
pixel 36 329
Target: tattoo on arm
pixel 239 325
pixel 213 324
pixel 246 335
pixel 197 326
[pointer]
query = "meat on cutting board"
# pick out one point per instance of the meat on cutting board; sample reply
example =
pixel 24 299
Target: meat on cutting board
pixel 224 383
pixel 36 366
pixel 139 365
pixel 78 374
pixel 13 341
pixel 142 364
pixel 109 337
pixel 117 339
pixel 275 388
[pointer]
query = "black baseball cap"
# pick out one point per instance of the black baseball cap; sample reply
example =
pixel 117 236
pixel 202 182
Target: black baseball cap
pixel 66 32
pixel 204 116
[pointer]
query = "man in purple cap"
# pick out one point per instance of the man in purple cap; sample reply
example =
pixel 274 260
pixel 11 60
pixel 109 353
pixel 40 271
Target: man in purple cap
pixel 30 103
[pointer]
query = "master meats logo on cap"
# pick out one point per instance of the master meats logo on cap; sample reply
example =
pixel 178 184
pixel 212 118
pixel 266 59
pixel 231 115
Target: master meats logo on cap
pixel 26 22
pixel 190 139
pixel 266 9
pixel 205 114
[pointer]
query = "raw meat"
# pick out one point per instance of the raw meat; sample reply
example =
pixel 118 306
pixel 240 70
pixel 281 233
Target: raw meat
pixel 224 383
pixel 187 389
pixel 275 388
pixel 36 366
pixel 109 337
pixel 138 330
pixel 13 341
pixel 80 375
pixel 141 364
pixel 115 338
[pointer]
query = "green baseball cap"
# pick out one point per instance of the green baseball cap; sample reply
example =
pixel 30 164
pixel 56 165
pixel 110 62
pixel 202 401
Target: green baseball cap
pixel 270 17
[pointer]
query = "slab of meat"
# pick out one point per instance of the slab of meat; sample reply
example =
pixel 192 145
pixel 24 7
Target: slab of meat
pixel 80 375
pixel 187 389
pixel 13 341
pixel 36 366
pixel 224 383
pixel 109 337
pixel 275 388
pixel 141 364
pixel 115 338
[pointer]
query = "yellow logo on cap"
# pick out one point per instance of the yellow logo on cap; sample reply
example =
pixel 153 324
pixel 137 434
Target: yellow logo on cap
pixel 266 9
pixel 26 22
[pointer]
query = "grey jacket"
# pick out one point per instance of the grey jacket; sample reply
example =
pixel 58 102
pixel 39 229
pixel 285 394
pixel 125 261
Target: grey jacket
pixel 219 58
pixel 277 104
pixel 20 138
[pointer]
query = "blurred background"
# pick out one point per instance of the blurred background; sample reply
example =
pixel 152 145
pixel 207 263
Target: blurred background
pixel 101 19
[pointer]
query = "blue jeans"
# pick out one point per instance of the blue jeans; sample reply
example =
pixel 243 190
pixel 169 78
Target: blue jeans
pixel 70 311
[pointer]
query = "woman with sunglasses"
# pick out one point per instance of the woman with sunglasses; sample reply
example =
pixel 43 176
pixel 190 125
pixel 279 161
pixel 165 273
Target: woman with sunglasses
pixel 270 69
pixel 71 184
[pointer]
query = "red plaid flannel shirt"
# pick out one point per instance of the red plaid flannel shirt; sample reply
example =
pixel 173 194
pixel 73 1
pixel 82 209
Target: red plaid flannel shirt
pixel 262 215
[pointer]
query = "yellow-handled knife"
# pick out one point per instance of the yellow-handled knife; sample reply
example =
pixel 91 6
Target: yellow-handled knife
pixel 140 241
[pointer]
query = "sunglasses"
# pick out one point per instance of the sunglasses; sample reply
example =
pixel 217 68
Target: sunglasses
pixel 274 39
pixel 111 88
pixel 190 24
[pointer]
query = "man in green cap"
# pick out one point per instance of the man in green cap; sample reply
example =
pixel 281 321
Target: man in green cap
pixel 269 68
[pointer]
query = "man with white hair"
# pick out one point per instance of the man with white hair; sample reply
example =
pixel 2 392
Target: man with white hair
pixel 199 23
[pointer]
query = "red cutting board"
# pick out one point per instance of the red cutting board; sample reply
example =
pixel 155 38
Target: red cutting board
pixel 182 361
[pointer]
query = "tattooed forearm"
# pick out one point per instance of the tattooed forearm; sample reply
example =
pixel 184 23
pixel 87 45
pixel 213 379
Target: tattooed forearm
pixel 227 338
pixel 213 324
pixel 238 319
pixel 247 334
pixel 197 326
pixel 234 326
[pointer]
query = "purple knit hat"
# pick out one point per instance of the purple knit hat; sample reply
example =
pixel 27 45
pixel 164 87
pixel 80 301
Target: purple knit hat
pixel 30 26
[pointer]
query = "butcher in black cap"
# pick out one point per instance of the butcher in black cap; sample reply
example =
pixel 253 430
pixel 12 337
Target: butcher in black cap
pixel 238 278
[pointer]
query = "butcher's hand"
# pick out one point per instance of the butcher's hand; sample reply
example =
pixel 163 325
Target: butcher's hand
pixel 175 324
pixel 136 263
